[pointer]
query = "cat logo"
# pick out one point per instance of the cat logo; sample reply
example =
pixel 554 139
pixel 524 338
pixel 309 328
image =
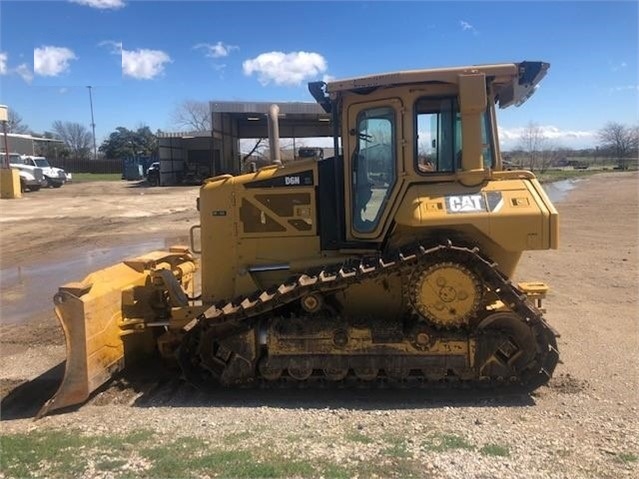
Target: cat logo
pixel 292 180
pixel 465 204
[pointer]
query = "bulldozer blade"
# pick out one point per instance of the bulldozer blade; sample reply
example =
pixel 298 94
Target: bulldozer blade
pixel 95 331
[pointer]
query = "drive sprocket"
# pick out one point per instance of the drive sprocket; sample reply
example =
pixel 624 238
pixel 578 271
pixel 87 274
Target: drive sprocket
pixel 446 293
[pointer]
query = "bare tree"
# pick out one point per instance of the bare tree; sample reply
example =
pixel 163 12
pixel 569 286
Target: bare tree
pixel 533 142
pixel 53 150
pixel 192 115
pixel 255 155
pixel 75 136
pixel 620 142
pixel 15 123
pixel 549 156
pixel 259 145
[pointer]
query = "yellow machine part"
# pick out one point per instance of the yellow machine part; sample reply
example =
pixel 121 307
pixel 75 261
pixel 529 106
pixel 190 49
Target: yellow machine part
pixel 99 314
pixel 448 294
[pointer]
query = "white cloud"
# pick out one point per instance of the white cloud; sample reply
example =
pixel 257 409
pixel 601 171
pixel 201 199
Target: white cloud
pixel 619 88
pixel 218 50
pixel 618 66
pixel 25 72
pixel 22 70
pixel 465 26
pixel 101 4
pixel 144 64
pixel 51 61
pixel 510 137
pixel 115 47
pixel 285 68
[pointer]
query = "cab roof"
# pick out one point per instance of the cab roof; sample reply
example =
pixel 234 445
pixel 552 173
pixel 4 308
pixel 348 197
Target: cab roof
pixel 513 83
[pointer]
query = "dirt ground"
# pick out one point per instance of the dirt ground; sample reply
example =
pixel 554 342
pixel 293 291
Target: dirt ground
pixel 584 424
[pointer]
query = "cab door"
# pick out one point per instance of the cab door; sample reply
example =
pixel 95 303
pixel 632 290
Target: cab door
pixel 373 151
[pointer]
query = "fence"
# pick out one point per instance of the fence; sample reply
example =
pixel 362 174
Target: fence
pixel 82 165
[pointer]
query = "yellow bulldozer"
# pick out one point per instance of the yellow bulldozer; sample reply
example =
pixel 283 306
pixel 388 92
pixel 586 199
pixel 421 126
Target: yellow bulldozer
pixel 389 263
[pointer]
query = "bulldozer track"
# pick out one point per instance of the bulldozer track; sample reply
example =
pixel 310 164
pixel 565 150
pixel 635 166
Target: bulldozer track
pixel 232 317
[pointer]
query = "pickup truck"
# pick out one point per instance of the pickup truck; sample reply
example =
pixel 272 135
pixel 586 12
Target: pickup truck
pixel 55 177
pixel 31 177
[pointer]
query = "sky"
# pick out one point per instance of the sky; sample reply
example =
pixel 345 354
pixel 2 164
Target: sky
pixel 145 58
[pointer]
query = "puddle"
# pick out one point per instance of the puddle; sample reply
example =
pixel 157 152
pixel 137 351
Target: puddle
pixel 557 190
pixel 27 291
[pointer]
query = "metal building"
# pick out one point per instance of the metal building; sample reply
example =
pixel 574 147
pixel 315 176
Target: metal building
pixel 27 144
pixel 190 157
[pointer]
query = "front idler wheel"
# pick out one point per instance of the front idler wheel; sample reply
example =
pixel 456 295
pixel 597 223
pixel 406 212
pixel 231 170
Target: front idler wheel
pixel 506 348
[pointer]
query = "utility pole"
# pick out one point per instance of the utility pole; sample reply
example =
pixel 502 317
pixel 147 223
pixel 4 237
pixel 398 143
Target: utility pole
pixel 4 118
pixel 95 149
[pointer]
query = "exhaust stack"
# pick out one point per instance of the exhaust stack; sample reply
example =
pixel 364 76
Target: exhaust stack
pixel 274 134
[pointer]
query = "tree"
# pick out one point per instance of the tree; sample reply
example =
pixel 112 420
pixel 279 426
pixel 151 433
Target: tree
pixel 258 154
pixel 15 123
pixel 123 143
pixel 534 146
pixel 620 142
pixel 75 136
pixel 193 116
pixel 51 149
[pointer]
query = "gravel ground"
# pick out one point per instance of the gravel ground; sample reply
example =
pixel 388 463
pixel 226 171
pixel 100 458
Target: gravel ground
pixel 584 424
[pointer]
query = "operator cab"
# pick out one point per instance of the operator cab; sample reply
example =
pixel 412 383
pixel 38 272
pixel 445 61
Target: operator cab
pixel 404 128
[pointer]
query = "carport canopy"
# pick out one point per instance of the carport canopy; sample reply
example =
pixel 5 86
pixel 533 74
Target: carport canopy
pixel 242 120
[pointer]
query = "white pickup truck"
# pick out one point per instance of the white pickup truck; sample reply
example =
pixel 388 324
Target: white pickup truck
pixel 55 177
pixel 31 177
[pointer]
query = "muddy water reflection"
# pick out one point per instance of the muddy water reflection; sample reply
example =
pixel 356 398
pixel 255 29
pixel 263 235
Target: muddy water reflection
pixel 557 190
pixel 27 291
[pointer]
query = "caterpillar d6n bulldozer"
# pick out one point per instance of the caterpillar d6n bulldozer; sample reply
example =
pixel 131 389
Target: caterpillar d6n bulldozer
pixel 387 264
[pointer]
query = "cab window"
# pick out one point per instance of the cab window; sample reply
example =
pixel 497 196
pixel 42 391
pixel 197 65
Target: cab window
pixel 486 138
pixel 438 139
pixel 373 164
pixel 439 136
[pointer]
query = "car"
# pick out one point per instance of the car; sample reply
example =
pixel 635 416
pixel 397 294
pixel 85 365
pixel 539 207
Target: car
pixel 56 177
pixel 153 174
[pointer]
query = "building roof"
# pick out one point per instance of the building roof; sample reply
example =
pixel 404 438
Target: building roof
pixel 31 137
pixel 262 107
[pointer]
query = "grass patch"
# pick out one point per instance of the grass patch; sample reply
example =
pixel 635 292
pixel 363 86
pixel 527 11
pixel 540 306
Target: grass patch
pixel 358 437
pixel 144 454
pixel 396 447
pixel 237 437
pixel 447 442
pixel 84 177
pixel 125 442
pixel 56 451
pixel 627 457
pixel 110 464
pixel 395 467
pixel 495 450
pixel 333 471
pixel 558 175
pixel 169 462
pixel 60 453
